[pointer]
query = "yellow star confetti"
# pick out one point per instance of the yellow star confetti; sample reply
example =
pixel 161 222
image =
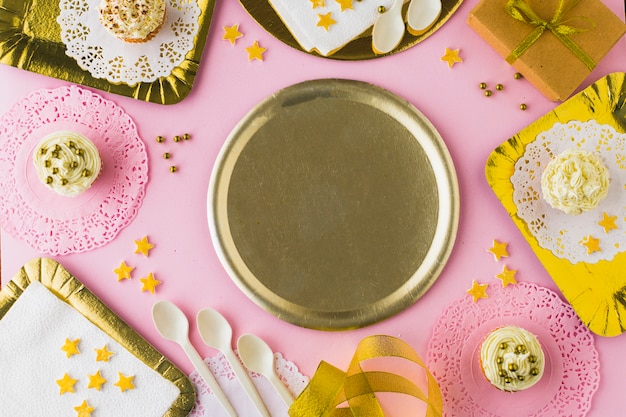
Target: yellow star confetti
pixel 231 34
pixel 608 222
pixel 84 410
pixel 123 272
pixel 103 355
pixel 96 381
pixel 143 246
pixel 125 382
pixel 71 347
pixel 507 276
pixel 498 250
pixel 326 21
pixel 345 4
pixel 149 283
pixel 478 290
pixel 255 51
pixel 451 57
pixel 592 244
pixel 66 384
pixel 317 3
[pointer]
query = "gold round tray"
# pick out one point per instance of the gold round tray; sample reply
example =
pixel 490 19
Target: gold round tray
pixel 358 49
pixel 333 204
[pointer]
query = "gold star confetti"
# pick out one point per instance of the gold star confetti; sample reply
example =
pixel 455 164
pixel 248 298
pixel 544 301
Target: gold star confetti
pixel 125 382
pixel 498 250
pixel 451 57
pixel 255 51
pixel 608 222
pixel 507 276
pixel 103 355
pixel 231 34
pixel 71 347
pixel 326 21
pixel 96 381
pixel 592 244
pixel 143 246
pixel 123 271
pixel 345 4
pixel 478 290
pixel 149 283
pixel 317 3
pixel 66 384
pixel 84 410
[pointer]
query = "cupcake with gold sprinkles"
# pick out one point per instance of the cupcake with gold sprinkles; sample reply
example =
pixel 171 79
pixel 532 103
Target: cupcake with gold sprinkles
pixel 67 162
pixel 512 358
pixel 133 21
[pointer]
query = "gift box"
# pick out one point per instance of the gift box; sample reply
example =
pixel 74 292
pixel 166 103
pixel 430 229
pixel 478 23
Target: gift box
pixel 553 43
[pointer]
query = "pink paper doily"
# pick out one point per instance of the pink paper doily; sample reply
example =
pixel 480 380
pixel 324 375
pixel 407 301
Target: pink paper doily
pixel 52 223
pixel 572 371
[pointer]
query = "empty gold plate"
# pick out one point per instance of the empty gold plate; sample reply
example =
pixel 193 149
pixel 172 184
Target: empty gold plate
pixel 333 204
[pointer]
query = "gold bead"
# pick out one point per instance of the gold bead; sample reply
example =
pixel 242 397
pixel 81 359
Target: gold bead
pixel 502 373
pixel 532 358
pixel 517 76
pixel 173 168
pixel 482 86
pixel 381 9
pixel 499 361
pixel 523 106
pixel 57 148
pixel 47 163
pixel 499 87
pixel 488 93
pixel 43 151
pixel 534 372
pixel 63 181
pixel 166 155
pixel 86 173
pixel 503 345
pixel 176 138
pixel 160 139
pixel 74 164
pixel 54 154
pixel 520 348
pixel 521 377
pixel 512 367
pixel 49 180
pixel 55 170
pixel 71 144
pixel 507 380
pixel 79 152
pixel 186 136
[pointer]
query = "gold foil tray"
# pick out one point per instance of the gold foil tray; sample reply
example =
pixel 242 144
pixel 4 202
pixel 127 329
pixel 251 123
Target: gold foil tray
pixel 597 291
pixel 30 39
pixel 70 290
pixel 358 49
pixel 334 204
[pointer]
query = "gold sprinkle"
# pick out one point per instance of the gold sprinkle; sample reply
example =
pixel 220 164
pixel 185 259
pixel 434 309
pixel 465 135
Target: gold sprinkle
pixel 43 151
pixel 49 180
pixel 488 93
pixel 507 380
pixel 534 372
pixel 523 106
pixel 186 136
pixel 74 164
pixel 55 170
pixel 176 138
pixel 499 87
pixel 499 361
pixel 79 152
pixel 47 163
pixel 482 86
pixel 54 154
pixel 86 173
pixel 381 9
pixel 521 377
pixel 503 345
pixel 512 367
pixel 520 348
pixel 63 181
pixel 166 155
pixel 71 144
pixel 57 148
pixel 173 168
pixel 502 373
pixel 532 359
pixel 518 76
pixel 160 139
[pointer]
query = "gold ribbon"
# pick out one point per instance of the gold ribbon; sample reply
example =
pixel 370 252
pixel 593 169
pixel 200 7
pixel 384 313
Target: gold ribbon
pixel 520 10
pixel 331 387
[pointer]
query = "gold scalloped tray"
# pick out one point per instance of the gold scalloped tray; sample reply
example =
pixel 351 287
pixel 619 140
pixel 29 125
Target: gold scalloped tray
pixel 70 290
pixel 596 291
pixel 30 39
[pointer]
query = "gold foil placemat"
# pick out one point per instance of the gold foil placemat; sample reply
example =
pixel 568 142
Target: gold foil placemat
pixel 596 291
pixel 65 286
pixel 30 39
pixel 334 204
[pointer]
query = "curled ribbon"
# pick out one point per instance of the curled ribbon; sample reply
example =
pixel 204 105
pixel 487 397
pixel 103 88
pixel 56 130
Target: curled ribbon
pixel 331 387
pixel 520 10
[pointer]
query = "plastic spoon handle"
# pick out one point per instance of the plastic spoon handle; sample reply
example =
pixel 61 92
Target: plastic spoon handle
pixel 282 390
pixel 246 382
pixel 422 14
pixel 208 377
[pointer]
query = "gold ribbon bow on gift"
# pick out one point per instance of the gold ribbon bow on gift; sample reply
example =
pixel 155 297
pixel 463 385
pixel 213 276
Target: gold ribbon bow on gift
pixel 331 387
pixel 520 10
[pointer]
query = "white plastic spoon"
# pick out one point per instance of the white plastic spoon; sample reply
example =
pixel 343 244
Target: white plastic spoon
pixel 388 29
pixel 217 333
pixel 172 324
pixel 421 15
pixel 259 358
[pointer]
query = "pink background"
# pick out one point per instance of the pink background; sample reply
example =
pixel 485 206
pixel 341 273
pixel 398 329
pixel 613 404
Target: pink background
pixel 173 214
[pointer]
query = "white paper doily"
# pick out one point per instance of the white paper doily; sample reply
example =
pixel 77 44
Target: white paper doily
pixel 555 230
pixel 104 56
pixel 207 404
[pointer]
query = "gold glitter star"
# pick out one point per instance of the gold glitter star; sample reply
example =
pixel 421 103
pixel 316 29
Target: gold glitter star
pixel 451 57
pixel 96 381
pixel 84 410
pixel 103 355
pixel 317 3
pixel 143 246
pixel 125 382
pixel 498 250
pixel 71 347
pixel 608 222
pixel 255 51
pixel 592 244
pixel 149 283
pixel 507 276
pixel 123 272
pixel 478 290
pixel 326 21
pixel 345 4
pixel 66 384
pixel 231 34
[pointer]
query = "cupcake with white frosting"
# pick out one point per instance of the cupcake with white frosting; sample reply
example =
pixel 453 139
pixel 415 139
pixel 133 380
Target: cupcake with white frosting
pixel 133 21
pixel 67 162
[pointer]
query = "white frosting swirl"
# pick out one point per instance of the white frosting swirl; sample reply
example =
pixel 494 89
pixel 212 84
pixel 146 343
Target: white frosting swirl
pixel 512 358
pixel 575 181
pixel 67 162
pixel 132 20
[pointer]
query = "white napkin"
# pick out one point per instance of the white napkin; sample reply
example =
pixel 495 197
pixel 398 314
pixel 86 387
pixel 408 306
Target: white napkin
pixel 301 19
pixel 31 361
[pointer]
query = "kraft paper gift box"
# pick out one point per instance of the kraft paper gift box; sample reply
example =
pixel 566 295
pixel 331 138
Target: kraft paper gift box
pixel 553 43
